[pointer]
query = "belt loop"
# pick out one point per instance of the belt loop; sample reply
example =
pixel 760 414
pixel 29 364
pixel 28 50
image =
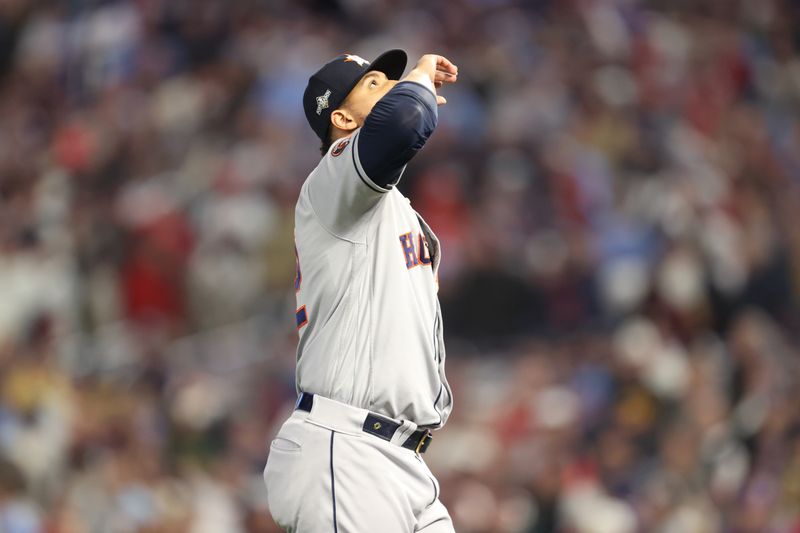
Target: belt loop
pixel 403 432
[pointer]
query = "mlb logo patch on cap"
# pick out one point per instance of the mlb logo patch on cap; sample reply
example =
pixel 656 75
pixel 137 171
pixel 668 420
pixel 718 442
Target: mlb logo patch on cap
pixel 322 102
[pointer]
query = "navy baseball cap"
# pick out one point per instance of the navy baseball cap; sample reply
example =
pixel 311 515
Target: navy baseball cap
pixel 330 85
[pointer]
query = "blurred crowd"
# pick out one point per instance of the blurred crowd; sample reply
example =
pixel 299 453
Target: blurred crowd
pixel 617 187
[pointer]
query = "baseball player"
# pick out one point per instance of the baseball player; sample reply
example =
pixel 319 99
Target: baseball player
pixel 370 360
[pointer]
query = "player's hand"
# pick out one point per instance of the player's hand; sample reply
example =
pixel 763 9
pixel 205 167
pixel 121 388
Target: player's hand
pixel 436 70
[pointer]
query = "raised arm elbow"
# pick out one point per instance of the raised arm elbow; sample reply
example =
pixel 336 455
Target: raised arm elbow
pixel 415 124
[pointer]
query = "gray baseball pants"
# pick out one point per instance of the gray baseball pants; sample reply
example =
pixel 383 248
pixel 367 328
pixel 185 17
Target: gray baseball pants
pixel 324 474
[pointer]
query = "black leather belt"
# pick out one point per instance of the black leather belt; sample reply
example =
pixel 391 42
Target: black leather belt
pixel 379 426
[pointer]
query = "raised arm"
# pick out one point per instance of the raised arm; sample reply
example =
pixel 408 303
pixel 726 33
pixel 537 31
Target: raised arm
pixel 403 120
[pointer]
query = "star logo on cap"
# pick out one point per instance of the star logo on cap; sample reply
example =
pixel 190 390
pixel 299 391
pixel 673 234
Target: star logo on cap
pixel 322 102
pixel 360 60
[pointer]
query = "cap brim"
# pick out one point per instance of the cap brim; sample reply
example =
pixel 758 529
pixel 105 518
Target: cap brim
pixel 391 63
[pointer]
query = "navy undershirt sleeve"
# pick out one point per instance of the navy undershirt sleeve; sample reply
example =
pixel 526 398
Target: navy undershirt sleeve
pixel 396 129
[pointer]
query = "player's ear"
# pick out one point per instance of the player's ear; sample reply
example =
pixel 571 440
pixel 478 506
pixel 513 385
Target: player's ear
pixel 343 120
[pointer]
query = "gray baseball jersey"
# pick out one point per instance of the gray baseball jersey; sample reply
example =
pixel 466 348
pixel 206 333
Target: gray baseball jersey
pixel 368 313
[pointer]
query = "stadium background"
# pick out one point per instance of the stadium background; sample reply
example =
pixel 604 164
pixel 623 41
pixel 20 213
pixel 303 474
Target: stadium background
pixel 617 186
